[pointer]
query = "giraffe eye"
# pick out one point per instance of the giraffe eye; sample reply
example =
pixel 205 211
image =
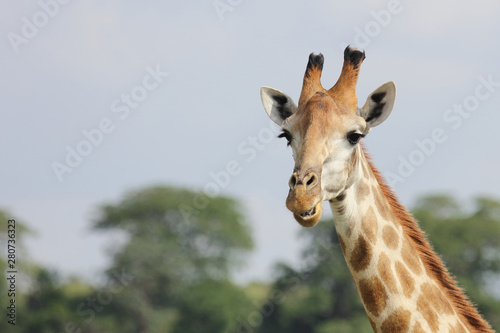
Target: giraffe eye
pixel 287 136
pixel 354 137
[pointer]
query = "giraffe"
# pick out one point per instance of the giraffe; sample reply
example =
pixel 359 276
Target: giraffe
pixel 403 284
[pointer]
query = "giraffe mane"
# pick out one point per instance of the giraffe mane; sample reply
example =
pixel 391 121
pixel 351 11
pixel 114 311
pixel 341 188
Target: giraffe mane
pixel 430 259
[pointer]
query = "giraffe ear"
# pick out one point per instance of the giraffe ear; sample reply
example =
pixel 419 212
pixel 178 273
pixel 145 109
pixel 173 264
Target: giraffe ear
pixel 379 104
pixel 278 105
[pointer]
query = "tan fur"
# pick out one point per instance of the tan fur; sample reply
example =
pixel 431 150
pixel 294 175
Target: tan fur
pixel 342 245
pixel 373 294
pixel 361 255
pixel 344 91
pixel 417 328
pixel 374 326
pixel 363 191
pixel 385 271
pixel 370 225
pixel 311 85
pixel 312 121
pixel 398 321
pixel 431 260
pixel 405 279
pixel 393 275
pixel 390 237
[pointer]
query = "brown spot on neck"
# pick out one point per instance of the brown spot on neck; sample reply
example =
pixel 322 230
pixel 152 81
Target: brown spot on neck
pixel 398 321
pixel 405 279
pixel 390 236
pixel 426 310
pixel 386 273
pixel 382 205
pixel 362 191
pixel 437 298
pixel 369 225
pixel 373 294
pixel 417 328
pixel 410 258
pixel 361 255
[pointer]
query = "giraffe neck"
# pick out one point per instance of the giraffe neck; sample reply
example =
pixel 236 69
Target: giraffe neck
pixel 398 290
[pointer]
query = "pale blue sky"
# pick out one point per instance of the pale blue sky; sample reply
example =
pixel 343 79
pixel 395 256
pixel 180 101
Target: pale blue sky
pixel 192 71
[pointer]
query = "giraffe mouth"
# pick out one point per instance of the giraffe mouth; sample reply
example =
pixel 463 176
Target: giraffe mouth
pixel 309 213
pixel 311 217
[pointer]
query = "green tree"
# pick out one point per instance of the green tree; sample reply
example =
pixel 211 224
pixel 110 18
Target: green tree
pixel 50 306
pixel 179 251
pixel 318 297
pixel 212 306
pixel 12 235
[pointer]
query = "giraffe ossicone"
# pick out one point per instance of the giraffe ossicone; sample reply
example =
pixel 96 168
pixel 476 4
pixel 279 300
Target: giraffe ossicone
pixel 403 284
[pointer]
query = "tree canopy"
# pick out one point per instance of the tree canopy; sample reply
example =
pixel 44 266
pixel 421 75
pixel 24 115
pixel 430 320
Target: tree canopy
pixel 180 249
pixel 172 270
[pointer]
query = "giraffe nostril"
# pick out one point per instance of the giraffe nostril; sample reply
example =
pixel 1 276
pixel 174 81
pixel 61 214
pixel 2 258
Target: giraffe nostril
pixel 311 180
pixel 293 181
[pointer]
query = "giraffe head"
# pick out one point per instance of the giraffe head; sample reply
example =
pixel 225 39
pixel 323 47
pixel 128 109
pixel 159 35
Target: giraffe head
pixel 323 132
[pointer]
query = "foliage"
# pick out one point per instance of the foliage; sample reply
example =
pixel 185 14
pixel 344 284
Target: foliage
pixel 23 267
pixel 320 296
pixel 172 272
pixel 191 242
pixel 180 250
pixel 212 306
pixel 51 305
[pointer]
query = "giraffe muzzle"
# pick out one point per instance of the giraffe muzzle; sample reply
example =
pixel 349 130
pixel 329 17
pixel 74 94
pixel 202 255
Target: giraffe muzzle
pixel 305 198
